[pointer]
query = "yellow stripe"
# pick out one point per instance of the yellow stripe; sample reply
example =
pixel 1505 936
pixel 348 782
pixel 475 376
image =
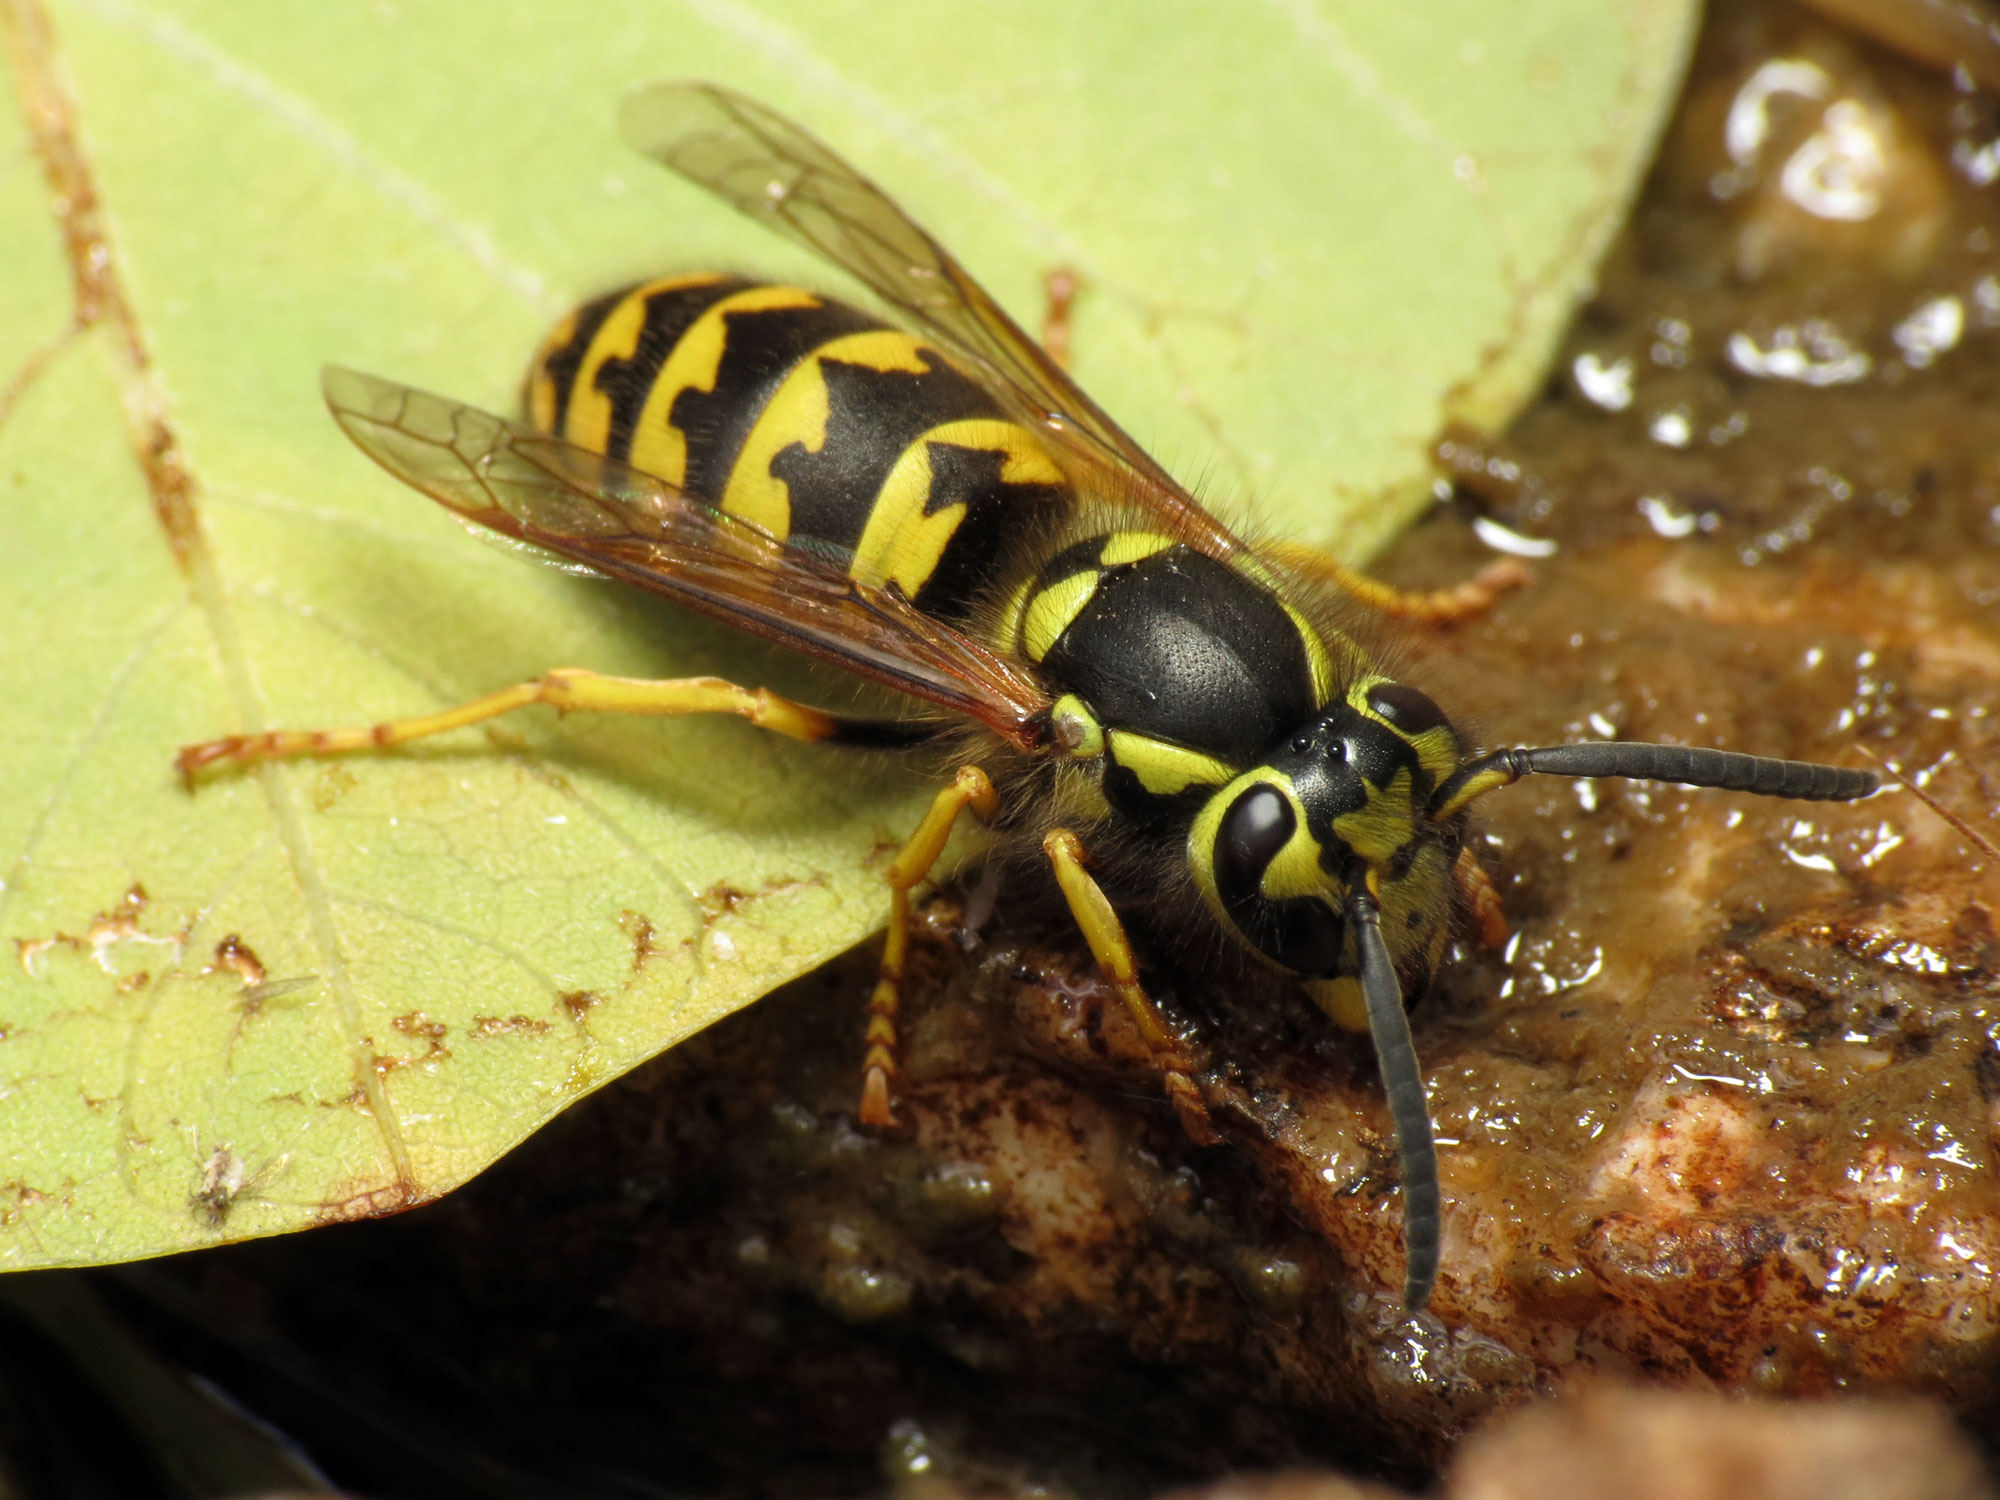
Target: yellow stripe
pixel 1319 661
pixel 1123 547
pixel 1163 769
pixel 1050 611
pixel 658 446
pixel 1013 612
pixel 903 545
pixel 797 413
pixel 1252 568
pixel 587 423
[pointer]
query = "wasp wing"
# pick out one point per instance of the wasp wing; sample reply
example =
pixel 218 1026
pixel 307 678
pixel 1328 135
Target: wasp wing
pixel 780 175
pixel 627 524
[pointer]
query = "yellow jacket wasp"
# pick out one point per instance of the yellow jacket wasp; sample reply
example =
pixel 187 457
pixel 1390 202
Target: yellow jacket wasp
pixel 1168 718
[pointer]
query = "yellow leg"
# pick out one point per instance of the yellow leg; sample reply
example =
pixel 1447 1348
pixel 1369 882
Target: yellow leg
pixel 1452 606
pixel 565 690
pixel 969 790
pixel 1482 901
pixel 1113 951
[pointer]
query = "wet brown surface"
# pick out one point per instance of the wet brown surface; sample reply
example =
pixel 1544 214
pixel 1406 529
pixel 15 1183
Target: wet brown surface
pixel 1722 1114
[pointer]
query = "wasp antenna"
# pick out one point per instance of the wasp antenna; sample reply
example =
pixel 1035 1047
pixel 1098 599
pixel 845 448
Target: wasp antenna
pixel 1725 770
pixel 1402 1081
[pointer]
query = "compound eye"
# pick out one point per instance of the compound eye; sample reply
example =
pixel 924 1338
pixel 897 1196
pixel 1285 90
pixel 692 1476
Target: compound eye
pixel 1258 824
pixel 1406 708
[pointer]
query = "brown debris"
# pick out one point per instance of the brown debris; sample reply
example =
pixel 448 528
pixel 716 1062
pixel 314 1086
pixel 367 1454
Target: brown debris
pixel 99 294
pixel 486 1027
pixel 241 959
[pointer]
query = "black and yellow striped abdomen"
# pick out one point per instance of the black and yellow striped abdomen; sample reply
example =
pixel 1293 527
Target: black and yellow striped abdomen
pixel 813 421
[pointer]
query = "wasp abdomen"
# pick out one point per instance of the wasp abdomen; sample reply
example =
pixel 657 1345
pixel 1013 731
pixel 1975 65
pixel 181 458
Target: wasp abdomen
pixel 809 419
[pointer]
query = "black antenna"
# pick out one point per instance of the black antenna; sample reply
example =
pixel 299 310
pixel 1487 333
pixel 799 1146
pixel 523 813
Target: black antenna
pixel 1403 1082
pixel 1725 770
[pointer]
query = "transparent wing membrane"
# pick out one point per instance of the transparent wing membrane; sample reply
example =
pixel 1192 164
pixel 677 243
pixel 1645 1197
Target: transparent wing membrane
pixel 782 176
pixel 623 523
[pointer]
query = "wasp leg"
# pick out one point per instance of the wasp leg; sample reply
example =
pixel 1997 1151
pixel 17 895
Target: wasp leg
pixel 1481 900
pixel 970 790
pixel 1059 292
pixel 1433 607
pixel 1113 951
pixel 565 690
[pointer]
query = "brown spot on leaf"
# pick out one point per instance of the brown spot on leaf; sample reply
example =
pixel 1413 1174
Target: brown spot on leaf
pixel 16 1198
pixel 107 930
pixel 237 956
pixel 99 297
pixel 719 901
pixel 372 1202
pixel 578 1003
pixel 419 1026
pixel 644 937
pixel 484 1027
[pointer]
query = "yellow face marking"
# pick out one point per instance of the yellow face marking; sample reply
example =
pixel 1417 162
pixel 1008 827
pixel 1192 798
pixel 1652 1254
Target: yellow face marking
pixel 1165 770
pixel 1387 823
pixel 541 396
pixel 1050 611
pixel 1342 1000
pixel 1422 890
pixel 1437 749
pixel 797 413
pixel 1123 547
pixel 901 544
pixel 1295 870
pixel 658 446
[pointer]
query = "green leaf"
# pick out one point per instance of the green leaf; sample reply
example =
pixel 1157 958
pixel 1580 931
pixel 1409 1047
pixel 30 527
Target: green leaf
pixel 1310 233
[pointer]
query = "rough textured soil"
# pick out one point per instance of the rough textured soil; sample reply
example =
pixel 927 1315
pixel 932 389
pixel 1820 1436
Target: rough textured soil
pixel 1721 1114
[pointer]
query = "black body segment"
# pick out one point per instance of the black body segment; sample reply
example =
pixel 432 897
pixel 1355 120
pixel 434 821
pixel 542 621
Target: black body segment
pixel 1184 649
pixel 1194 670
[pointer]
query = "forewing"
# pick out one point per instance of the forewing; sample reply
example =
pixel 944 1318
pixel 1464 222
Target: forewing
pixel 628 524
pixel 780 175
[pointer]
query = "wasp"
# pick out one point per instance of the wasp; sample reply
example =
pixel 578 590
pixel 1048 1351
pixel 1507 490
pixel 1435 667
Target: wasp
pixel 1171 722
